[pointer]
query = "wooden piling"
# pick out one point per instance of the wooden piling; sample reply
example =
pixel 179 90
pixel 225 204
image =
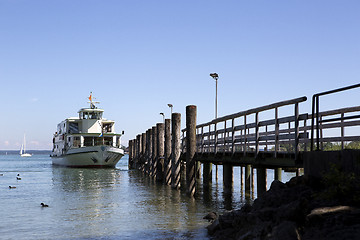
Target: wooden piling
pixel 277 173
pixel 167 154
pixel 175 150
pixel 146 154
pixel 160 151
pixel 247 180
pixel 252 183
pixel 134 153
pixel 154 152
pixel 143 149
pixel 130 155
pixel 261 180
pixel 207 174
pixel 149 153
pixel 228 177
pixel 190 149
pixel 241 178
pixel 138 150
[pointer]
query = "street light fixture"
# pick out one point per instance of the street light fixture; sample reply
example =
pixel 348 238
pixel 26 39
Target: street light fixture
pixel 215 76
pixel 171 108
pixel 163 116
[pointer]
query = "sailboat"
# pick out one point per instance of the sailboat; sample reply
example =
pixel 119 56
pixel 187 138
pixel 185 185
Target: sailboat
pixel 23 151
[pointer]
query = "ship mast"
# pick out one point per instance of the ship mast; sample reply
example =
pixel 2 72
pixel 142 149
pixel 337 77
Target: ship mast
pixel 92 104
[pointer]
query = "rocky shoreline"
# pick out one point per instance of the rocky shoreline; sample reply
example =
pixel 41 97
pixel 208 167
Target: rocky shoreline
pixel 303 208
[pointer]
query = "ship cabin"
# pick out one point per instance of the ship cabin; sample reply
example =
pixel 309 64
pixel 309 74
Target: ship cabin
pixel 88 129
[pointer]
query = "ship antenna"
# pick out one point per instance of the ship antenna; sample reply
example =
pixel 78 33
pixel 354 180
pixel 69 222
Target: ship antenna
pixel 92 104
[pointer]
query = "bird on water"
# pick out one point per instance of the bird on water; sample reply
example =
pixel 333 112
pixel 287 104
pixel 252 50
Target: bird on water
pixel 44 205
pixel 18 177
pixel 11 187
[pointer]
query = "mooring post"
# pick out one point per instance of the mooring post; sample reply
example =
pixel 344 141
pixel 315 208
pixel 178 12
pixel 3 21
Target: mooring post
pixel 146 163
pixel 297 132
pixel 277 173
pixel 261 180
pixel 198 169
pixel 154 152
pixel 257 135
pixel 207 174
pixel 149 157
pixel 241 178
pixel 160 151
pixel 138 150
pixel 143 151
pixel 247 180
pixel 130 155
pixel 133 153
pixel 167 159
pixel 175 150
pixel 252 183
pixel 228 177
pixel 190 149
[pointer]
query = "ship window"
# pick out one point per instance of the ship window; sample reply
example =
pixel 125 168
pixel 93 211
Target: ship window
pixel 76 142
pixel 73 127
pixel 108 141
pixel 104 141
pixel 93 115
pixel 88 141
pixel 107 128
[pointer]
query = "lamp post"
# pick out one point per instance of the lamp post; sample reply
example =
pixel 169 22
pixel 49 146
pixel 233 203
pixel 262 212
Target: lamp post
pixel 171 108
pixel 215 76
pixel 163 116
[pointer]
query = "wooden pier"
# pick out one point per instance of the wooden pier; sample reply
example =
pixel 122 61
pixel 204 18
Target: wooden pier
pixel 259 138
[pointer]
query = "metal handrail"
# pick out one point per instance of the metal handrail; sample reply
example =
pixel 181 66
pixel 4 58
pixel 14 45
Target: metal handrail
pixel 254 110
pixel 315 107
pixel 255 125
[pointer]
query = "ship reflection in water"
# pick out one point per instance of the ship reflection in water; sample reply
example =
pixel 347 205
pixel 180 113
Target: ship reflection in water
pixel 115 203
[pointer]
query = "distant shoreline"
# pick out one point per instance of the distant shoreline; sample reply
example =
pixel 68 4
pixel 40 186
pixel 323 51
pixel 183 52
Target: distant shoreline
pixel 13 152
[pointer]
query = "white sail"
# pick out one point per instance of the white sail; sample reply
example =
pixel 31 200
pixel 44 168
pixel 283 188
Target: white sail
pixel 23 149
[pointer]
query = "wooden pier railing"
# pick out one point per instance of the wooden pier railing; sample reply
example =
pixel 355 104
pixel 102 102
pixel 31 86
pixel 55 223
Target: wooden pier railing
pixel 256 138
pixel 247 133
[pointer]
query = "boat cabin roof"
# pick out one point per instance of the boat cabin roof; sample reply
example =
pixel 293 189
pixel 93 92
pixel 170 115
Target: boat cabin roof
pixel 90 113
pixel 91 110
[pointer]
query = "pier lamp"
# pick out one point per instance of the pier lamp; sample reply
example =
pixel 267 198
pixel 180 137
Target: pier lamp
pixel 171 108
pixel 215 76
pixel 163 116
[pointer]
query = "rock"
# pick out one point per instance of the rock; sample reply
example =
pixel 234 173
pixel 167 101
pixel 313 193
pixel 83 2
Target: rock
pixel 211 216
pixel 286 230
pixel 294 210
pixel 215 225
pixel 277 185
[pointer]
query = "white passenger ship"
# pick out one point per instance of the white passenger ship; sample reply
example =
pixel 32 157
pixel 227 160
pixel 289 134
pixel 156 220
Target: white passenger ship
pixel 88 140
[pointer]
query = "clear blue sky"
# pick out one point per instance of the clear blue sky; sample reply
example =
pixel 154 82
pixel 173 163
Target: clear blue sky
pixel 138 56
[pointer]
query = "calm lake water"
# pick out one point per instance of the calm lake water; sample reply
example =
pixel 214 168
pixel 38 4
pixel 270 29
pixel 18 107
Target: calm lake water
pixel 102 203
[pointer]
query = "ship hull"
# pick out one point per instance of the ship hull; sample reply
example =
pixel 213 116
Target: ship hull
pixel 90 157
